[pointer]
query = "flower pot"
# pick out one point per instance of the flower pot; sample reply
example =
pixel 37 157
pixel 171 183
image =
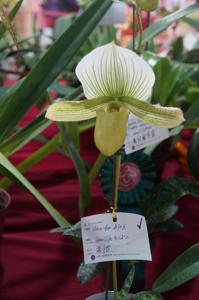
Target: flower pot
pixel 115 15
pixel 4 203
pixel 101 296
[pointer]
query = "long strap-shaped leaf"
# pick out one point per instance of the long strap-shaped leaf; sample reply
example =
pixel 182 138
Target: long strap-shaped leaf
pixel 182 269
pixel 50 65
pixel 80 167
pixel 24 135
pixel 9 170
pixel 127 284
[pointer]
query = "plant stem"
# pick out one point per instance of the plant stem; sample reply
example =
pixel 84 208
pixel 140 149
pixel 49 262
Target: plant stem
pixel 148 24
pixel 107 280
pixel 139 49
pixel 96 167
pixel 133 26
pixel 116 178
pixel 115 288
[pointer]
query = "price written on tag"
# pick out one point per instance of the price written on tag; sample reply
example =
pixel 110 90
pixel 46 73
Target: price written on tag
pixel 141 135
pixel 105 240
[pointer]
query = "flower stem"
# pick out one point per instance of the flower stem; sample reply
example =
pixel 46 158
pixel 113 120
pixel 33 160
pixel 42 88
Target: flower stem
pixel 139 48
pixel 114 265
pixel 133 26
pixel 148 24
pixel 116 178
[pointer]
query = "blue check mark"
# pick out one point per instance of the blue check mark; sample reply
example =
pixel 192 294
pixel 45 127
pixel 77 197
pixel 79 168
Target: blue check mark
pixel 140 224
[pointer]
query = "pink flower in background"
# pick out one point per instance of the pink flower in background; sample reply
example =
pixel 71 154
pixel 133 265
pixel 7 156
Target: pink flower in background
pixel 171 5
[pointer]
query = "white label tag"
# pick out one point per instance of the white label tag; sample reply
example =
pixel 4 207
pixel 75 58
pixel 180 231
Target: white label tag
pixel 141 135
pixel 105 240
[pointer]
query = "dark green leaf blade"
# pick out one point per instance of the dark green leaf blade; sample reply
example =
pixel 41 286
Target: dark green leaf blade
pixel 165 194
pixel 193 155
pixel 24 135
pixel 192 116
pixel 74 230
pixel 10 171
pixel 184 268
pixel 80 167
pixel 86 272
pixel 162 215
pixel 127 284
pixel 147 296
pixel 50 65
pixel 192 22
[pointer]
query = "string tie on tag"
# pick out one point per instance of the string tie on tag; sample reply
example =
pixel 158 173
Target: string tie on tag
pixel 114 214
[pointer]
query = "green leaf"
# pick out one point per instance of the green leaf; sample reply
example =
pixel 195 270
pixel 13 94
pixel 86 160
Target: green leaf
pixel 192 93
pixel 87 272
pixel 184 268
pixel 24 135
pixel 50 65
pixel 165 194
pixel 10 171
pixel 193 157
pixel 165 22
pixel 61 90
pixel 162 215
pixel 74 230
pixel 80 169
pixel 34 158
pixel 192 22
pixel 192 116
pixel 170 225
pixel 170 75
pixel 165 81
pixel 61 24
pixel 127 284
pixel 177 51
pixel 73 132
pixel 7 91
pixel 11 16
pixel 176 130
pixel 147 296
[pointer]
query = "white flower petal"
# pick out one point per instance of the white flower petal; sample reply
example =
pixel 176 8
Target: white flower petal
pixel 111 70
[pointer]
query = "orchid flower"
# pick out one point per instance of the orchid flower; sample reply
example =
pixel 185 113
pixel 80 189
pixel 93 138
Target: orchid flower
pixel 115 81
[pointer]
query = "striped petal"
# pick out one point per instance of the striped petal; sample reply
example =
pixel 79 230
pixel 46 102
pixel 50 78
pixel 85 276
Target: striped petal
pixel 67 111
pixel 166 117
pixel 114 71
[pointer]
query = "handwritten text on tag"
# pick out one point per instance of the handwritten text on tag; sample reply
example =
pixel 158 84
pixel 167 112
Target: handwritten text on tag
pixel 105 240
pixel 141 135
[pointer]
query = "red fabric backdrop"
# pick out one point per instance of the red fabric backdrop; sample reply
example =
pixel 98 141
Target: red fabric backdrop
pixel 36 265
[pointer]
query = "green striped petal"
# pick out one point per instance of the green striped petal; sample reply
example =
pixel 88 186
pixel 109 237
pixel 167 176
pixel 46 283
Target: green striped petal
pixel 166 117
pixel 111 70
pixel 67 111
pixel 110 130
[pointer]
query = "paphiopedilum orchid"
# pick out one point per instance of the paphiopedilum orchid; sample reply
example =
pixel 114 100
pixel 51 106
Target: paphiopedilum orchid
pixel 115 81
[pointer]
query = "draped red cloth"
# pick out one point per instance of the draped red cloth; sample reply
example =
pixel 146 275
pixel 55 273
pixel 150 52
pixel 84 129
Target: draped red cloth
pixel 38 265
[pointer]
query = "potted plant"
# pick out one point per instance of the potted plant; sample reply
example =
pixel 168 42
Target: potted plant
pixel 110 126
